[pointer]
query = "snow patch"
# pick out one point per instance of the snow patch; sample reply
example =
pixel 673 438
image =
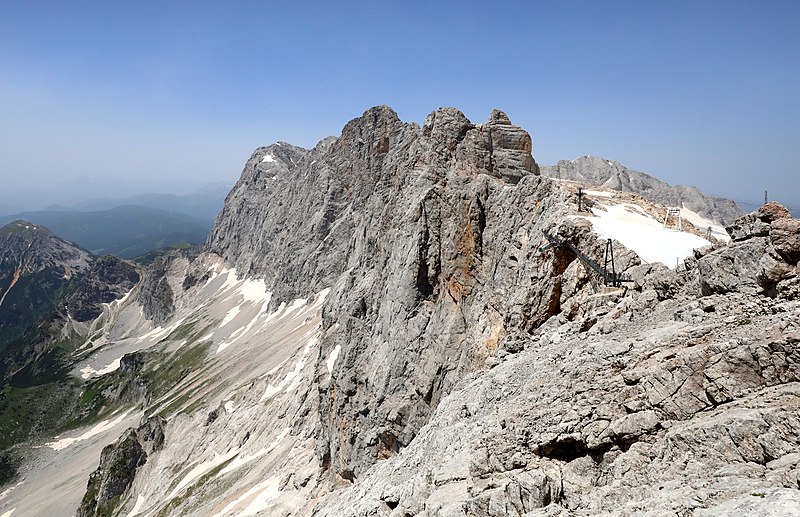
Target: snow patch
pixel 266 491
pixel 103 426
pixel 160 332
pixel 291 380
pixel 202 468
pixel 703 223
pixel 274 369
pixel 229 407
pixel 598 193
pixel 256 291
pixel 242 460
pixel 230 315
pixel 332 358
pixel 648 238
pixel 8 513
pixel 295 305
pixel 88 371
pixel 8 490
pixel 137 507
pixel 268 158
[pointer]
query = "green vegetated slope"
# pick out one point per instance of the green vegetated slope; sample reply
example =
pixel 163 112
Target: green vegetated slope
pixel 46 285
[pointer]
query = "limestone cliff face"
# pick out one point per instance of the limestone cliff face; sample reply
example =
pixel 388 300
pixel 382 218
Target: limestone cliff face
pixel 291 217
pixel 432 255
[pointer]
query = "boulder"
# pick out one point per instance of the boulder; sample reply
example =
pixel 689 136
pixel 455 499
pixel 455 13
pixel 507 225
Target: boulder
pixel 772 211
pixel 511 148
pixel 746 227
pixel 784 235
pixel 734 268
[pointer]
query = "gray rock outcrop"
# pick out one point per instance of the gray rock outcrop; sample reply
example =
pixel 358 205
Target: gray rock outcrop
pixel 291 216
pixel 763 254
pixel 34 248
pixel 118 465
pixel 107 279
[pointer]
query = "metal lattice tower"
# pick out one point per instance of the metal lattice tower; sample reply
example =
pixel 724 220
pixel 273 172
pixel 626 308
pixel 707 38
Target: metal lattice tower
pixel 607 272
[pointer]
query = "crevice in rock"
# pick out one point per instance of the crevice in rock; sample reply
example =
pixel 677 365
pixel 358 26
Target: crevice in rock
pixel 424 286
pixel 348 475
pixel 569 448
pixel 566 449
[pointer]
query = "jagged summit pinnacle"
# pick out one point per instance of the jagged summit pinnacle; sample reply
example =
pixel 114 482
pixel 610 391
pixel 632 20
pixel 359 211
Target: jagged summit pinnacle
pixel 375 153
pixel 499 117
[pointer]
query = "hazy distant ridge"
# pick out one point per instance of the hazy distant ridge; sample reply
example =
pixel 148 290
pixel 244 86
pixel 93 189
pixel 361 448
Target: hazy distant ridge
pixel 124 231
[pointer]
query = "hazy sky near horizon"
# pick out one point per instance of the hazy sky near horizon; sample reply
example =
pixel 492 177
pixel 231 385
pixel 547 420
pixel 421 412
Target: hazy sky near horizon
pixel 105 98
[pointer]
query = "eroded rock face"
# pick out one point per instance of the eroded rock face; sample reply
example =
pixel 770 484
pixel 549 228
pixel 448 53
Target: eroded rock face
pixel 784 235
pixel 763 254
pixel 293 214
pixel 108 279
pixel 118 465
pixel 733 269
pixel 160 285
pixel 675 407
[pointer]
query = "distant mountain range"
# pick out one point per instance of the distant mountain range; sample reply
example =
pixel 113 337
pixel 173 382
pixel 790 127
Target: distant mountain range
pixel 130 226
pixel 124 231
pixel 205 203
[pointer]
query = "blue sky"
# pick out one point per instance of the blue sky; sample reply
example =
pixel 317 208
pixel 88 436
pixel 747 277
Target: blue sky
pixel 98 97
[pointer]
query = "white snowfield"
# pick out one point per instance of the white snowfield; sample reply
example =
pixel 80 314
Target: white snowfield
pixel 702 224
pixel 644 235
pixel 88 371
pixel 100 428
pixel 598 193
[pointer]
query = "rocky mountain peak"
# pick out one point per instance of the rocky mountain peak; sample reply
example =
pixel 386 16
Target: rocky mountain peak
pixel 312 202
pixel 772 211
pixel 33 247
pixel 446 127
pixel 498 117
